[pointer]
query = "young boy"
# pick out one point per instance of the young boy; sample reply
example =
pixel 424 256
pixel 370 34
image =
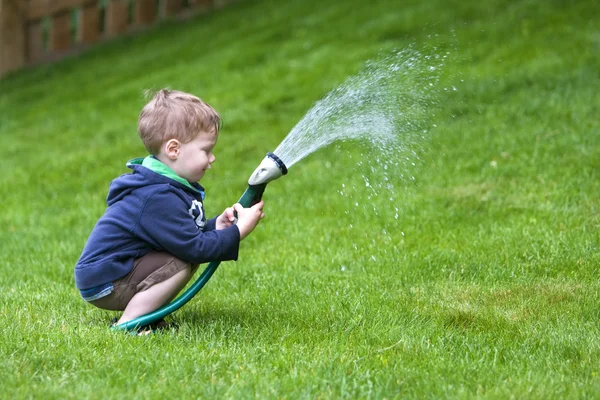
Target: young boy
pixel 153 235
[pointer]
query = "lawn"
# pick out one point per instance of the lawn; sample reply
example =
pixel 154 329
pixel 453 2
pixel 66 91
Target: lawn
pixel 473 276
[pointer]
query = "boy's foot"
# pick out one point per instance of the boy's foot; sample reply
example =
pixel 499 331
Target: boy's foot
pixel 160 325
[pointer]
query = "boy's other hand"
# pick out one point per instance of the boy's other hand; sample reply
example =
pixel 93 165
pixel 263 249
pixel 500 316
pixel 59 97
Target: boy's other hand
pixel 249 217
pixel 226 219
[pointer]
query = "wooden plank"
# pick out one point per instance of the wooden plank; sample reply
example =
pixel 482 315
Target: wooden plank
pixel 117 16
pixel 218 4
pixel 12 37
pixel 35 42
pixel 60 33
pixel 170 8
pixel 41 8
pixel 89 24
pixel 144 12
pixel 201 4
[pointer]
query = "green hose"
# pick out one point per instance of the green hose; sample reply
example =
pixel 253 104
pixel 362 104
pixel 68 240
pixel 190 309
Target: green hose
pixel 251 196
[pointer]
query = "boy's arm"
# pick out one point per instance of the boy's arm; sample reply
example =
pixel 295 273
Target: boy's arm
pixel 166 224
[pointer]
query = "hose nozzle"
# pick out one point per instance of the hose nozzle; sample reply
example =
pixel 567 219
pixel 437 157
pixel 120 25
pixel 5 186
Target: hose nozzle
pixel 269 169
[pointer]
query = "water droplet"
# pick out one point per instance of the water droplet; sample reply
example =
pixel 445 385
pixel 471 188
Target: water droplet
pixel 373 257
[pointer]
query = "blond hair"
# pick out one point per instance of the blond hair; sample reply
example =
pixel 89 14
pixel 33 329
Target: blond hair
pixel 172 114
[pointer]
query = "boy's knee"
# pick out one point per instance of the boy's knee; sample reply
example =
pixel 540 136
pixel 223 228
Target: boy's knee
pixel 186 272
pixel 170 267
pixel 193 268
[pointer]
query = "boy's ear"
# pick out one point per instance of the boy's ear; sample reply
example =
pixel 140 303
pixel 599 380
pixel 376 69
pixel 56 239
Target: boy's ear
pixel 172 149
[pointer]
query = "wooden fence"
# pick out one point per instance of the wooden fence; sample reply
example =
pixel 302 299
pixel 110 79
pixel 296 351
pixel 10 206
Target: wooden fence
pixel 34 31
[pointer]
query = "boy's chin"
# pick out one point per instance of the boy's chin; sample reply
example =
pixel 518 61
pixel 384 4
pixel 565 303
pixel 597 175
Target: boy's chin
pixel 193 179
pixel 199 176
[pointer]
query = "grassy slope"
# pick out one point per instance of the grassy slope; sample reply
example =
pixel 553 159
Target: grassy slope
pixel 491 291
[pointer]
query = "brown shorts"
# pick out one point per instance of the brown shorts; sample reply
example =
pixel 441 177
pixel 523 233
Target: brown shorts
pixel 153 268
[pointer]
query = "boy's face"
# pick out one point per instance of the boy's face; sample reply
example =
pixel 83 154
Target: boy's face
pixel 195 157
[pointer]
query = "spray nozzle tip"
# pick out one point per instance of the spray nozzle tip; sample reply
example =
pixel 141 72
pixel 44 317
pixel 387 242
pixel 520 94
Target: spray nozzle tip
pixel 279 163
pixel 269 169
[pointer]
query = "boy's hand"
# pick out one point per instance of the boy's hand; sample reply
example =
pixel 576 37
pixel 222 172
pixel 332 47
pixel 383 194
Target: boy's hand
pixel 226 219
pixel 249 217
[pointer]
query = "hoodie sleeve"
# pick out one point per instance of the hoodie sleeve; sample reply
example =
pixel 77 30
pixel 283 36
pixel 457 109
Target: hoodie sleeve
pixel 211 224
pixel 165 223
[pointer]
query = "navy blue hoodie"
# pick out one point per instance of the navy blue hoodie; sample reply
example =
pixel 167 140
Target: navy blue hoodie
pixel 151 209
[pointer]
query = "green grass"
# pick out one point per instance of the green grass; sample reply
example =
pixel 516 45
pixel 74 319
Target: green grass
pixel 485 286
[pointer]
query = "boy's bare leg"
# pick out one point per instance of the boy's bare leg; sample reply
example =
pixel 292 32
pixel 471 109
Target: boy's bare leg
pixel 156 296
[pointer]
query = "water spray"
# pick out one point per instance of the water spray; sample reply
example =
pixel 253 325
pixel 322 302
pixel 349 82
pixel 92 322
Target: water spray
pixel 269 169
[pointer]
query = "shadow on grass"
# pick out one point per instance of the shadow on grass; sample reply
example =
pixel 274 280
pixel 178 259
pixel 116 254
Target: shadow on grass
pixel 228 320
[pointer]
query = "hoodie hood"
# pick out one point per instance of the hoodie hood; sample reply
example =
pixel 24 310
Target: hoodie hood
pixel 148 171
